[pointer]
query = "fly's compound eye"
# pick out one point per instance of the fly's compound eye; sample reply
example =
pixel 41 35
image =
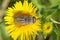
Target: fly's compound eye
pixel 34 19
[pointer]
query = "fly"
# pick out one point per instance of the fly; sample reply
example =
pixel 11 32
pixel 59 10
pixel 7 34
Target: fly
pixel 25 19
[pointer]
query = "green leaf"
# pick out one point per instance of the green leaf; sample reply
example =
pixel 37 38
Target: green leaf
pixel 56 15
pixel 53 36
pixel 57 30
pixel 0 35
pixel 0 2
pixel 48 11
pixel 35 2
pixel 4 32
pixel 55 2
pixel 12 2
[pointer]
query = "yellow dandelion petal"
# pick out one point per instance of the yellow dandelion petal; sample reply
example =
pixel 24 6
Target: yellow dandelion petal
pixel 18 6
pixel 15 34
pixel 10 11
pixel 9 18
pixel 10 27
pixel 22 20
pixel 30 7
pixel 25 5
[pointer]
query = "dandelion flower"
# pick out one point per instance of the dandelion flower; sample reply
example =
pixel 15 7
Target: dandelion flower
pixel 22 20
pixel 47 27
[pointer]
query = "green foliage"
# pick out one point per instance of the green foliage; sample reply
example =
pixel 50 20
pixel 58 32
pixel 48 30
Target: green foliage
pixel 4 32
pixel 36 3
pixel 49 8
pixel 55 2
pixel 0 2
pixel 56 14
pixel 12 2
pixel 53 36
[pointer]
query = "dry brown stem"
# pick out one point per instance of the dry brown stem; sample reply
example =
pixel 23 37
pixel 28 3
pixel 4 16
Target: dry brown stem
pixel 3 7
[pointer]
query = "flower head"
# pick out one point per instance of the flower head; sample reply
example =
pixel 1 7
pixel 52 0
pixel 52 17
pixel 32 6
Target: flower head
pixel 22 20
pixel 47 27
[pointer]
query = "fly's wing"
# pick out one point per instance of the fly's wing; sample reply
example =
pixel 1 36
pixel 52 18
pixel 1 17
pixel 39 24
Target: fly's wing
pixel 20 19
